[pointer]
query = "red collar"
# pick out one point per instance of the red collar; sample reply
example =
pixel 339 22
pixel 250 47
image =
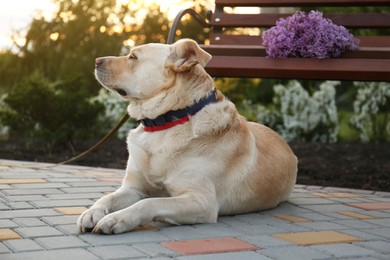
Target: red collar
pixel 177 117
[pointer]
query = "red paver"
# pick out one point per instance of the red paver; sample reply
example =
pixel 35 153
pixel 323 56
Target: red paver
pixel 209 246
pixel 371 206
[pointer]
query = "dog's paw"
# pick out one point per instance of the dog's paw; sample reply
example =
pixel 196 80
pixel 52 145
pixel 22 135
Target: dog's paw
pixel 114 223
pixel 88 220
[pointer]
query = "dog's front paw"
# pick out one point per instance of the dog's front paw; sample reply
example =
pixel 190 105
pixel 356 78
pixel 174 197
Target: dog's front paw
pixel 115 223
pixel 88 220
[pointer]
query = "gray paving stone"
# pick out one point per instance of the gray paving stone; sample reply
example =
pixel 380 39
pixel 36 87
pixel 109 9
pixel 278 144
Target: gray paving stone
pixel 20 205
pixel 61 220
pixel 33 232
pixel 70 229
pixel 383 232
pixel 385 222
pixel 88 190
pixel 292 252
pixel 316 216
pixel 310 201
pixel 322 225
pixel 288 208
pixel 61 242
pixel 47 185
pixel 3 206
pixel 4 249
pixel 116 252
pixel 5 187
pixel 247 255
pixel 26 198
pixel 32 192
pixel 22 245
pixel 362 234
pixel 329 208
pixel 356 223
pixel 65 196
pixel 64 254
pixel 6 223
pixel 71 179
pixel 62 203
pixel 379 246
pixel 126 238
pixel 264 241
pixel 28 213
pixel 29 222
pixel 95 183
pixel 154 250
pixel 258 229
pixel 344 250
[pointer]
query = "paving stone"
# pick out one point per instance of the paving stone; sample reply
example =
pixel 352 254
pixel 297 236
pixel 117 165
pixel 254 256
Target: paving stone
pixel 356 215
pixel 7 234
pixel 356 223
pixel 121 252
pixel 60 220
pixel 23 245
pixel 71 210
pixel 382 246
pixel 247 255
pixel 3 206
pixel 290 252
pixel 209 246
pixel 26 198
pixel 126 238
pixel 338 195
pixel 88 190
pixel 67 196
pixel 94 184
pixel 345 250
pixel 329 208
pixel 4 249
pixel 264 241
pixel 309 201
pixel 6 223
pixel 69 229
pixel 371 206
pixel 61 242
pixel 32 232
pixel 63 254
pixel 61 203
pixel 31 191
pixel 154 250
pixel 363 234
pixel 29 222
pixel 40 186
pixel 5 187
pixel 291 218
pixel 19 181
pixel 385 222
pixel 383 232
pixel 20 205
pixel 322 225
pixel 317 238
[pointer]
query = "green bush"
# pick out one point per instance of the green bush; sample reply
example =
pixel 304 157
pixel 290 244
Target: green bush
pixel 57 113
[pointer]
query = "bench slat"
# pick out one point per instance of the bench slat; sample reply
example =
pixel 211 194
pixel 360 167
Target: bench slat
pixel 362 20
pixel 297 3
pixel 259 51
pixel 336 69
pixel 229 39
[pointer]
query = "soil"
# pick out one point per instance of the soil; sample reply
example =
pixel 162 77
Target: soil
pixel 350 165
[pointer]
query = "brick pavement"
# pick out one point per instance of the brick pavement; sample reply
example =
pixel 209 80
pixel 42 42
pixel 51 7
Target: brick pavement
pixel 39 207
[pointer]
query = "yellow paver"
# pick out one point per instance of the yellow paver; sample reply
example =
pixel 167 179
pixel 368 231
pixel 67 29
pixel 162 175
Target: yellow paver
pixel 317 238
pixel 21 181
pixel 71 210
pixel 8 234
pixel 356 215
pixel 291 218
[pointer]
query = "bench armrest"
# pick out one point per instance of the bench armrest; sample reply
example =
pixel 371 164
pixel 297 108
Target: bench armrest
pixel 176 22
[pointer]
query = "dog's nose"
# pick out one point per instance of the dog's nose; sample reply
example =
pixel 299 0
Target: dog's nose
pixel 98 61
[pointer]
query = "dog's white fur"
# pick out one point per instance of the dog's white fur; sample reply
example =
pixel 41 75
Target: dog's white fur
pixel 215 164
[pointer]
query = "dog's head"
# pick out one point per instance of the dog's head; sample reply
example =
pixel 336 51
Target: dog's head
pixel 150 69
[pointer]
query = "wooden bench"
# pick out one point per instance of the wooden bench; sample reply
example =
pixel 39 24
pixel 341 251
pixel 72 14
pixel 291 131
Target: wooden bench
pixel 242 55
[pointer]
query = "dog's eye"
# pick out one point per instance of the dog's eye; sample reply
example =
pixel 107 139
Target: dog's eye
pixel 132 57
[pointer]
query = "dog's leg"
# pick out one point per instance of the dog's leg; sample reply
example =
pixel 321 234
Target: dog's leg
pixel 188 208
pixel 121 198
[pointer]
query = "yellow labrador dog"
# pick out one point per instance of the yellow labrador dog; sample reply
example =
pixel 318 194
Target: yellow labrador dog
pixel 193 157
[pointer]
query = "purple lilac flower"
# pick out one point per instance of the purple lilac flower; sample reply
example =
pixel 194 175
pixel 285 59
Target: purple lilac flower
pixel 307 36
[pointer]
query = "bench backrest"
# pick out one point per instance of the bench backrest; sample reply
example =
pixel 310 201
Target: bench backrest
pixel 223 20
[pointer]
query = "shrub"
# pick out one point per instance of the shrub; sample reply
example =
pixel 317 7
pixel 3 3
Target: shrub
pixel 299 116
pixel 56 113
pixel 371 111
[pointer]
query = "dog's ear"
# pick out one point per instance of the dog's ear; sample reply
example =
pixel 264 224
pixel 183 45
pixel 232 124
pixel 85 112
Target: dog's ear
pixel 185 54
